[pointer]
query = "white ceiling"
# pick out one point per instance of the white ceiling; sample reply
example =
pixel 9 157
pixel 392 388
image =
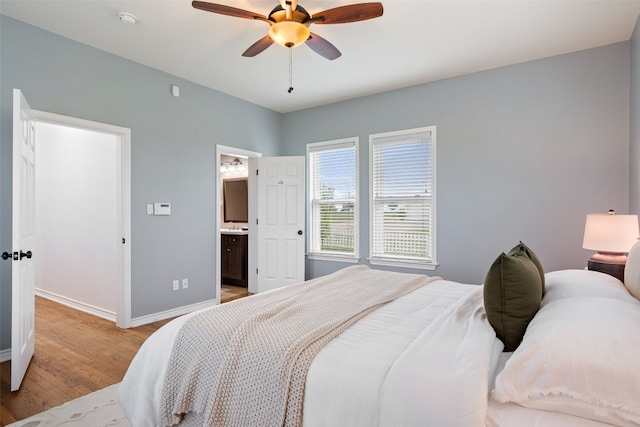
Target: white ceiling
pixel 415 41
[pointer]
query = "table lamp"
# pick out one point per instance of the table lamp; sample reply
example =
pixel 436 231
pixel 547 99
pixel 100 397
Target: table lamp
pixel 611 236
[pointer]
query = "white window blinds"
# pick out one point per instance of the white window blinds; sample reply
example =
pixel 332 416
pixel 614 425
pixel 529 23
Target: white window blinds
pixel 333 187
pixel 402 197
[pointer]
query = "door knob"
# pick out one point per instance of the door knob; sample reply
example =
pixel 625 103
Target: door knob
pixel 299 232
pixel 27 254
pixel 6 255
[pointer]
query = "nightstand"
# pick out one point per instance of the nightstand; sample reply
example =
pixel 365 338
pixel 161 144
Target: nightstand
pixel 615 270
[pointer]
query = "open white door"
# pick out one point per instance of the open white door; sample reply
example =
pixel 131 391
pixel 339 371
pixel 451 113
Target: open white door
pixel 280 228
pixel 23 270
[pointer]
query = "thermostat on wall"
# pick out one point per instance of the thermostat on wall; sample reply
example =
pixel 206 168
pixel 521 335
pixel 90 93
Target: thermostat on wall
pixel 162 208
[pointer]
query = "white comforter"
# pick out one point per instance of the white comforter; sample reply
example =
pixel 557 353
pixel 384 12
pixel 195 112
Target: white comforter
pixel 426 358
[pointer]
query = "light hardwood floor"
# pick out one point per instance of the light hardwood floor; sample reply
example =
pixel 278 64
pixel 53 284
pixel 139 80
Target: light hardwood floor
pixel 229 293
pixel 75 354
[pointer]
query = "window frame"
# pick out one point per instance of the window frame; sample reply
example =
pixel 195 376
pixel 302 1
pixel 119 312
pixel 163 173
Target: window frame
pixel 424 263
pixel 311 233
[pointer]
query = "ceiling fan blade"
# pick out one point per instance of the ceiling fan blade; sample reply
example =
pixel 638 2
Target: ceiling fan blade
pixel 227 10
pixel 349 13
pixel 258 46
pixel 323 47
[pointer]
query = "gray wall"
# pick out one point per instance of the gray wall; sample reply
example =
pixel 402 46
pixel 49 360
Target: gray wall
pixel 634 155
pixel 523 153
pixel 173 154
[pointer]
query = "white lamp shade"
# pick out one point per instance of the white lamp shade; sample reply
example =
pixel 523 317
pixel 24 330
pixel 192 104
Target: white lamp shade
pixel 610 233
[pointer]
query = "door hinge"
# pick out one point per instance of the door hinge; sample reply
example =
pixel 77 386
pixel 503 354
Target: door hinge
pixel 256 271
pixel 256 221
pixel 257 172
pixel 123 241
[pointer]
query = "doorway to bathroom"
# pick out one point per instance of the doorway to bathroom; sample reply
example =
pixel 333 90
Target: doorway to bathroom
pixel 232 222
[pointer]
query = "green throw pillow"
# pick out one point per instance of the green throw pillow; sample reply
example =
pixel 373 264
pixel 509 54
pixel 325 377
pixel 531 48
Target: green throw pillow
pixel 523 250
pixel 512 295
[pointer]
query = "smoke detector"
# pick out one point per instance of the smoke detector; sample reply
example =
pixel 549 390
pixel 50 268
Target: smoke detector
pixel 127 17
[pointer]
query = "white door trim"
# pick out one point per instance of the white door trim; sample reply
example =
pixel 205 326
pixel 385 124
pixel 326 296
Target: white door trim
pixel 123 297
pixel 232 151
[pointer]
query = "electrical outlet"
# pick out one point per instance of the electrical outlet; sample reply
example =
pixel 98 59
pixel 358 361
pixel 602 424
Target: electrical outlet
pixel 185 283
pixel 176 285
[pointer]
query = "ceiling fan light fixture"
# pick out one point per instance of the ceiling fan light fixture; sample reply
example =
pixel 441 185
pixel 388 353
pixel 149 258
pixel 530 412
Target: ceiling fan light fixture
pixel 289 33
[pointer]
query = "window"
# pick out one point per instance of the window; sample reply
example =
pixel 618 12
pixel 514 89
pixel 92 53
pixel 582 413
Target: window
pixel 402 200
pixel 333 195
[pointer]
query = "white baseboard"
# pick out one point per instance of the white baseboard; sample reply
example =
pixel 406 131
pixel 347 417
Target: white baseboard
pixel 5 355
pixel 87 308
pixel 175 312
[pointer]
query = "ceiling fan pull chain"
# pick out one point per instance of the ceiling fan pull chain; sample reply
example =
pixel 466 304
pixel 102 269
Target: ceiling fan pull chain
pixel 290 70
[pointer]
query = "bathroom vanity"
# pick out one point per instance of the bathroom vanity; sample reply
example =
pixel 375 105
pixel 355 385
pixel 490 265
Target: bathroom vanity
pixel 234 257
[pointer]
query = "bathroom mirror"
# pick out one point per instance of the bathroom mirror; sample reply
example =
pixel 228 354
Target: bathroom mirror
pixel 235 200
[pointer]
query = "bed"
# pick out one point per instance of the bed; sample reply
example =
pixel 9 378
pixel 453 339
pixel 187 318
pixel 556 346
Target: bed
pixel 426 355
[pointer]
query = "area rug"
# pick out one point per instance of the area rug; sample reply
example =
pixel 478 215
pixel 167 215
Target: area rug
pixel 98 409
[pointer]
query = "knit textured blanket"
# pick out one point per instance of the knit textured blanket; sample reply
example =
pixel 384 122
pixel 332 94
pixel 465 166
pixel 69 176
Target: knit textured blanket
pixel 244 363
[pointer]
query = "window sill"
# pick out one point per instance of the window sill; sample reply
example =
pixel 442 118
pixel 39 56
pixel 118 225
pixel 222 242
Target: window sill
pixel 391 262
pixel 337 258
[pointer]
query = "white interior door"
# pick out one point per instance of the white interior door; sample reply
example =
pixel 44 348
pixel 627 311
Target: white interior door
pixel 23 270
pixel 280 228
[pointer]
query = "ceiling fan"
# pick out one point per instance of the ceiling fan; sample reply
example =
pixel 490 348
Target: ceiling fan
pixel 289 24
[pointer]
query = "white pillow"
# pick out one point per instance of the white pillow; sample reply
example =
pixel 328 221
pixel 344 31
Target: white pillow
pixel 579 356
pixel 632 271
pixel 582 283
